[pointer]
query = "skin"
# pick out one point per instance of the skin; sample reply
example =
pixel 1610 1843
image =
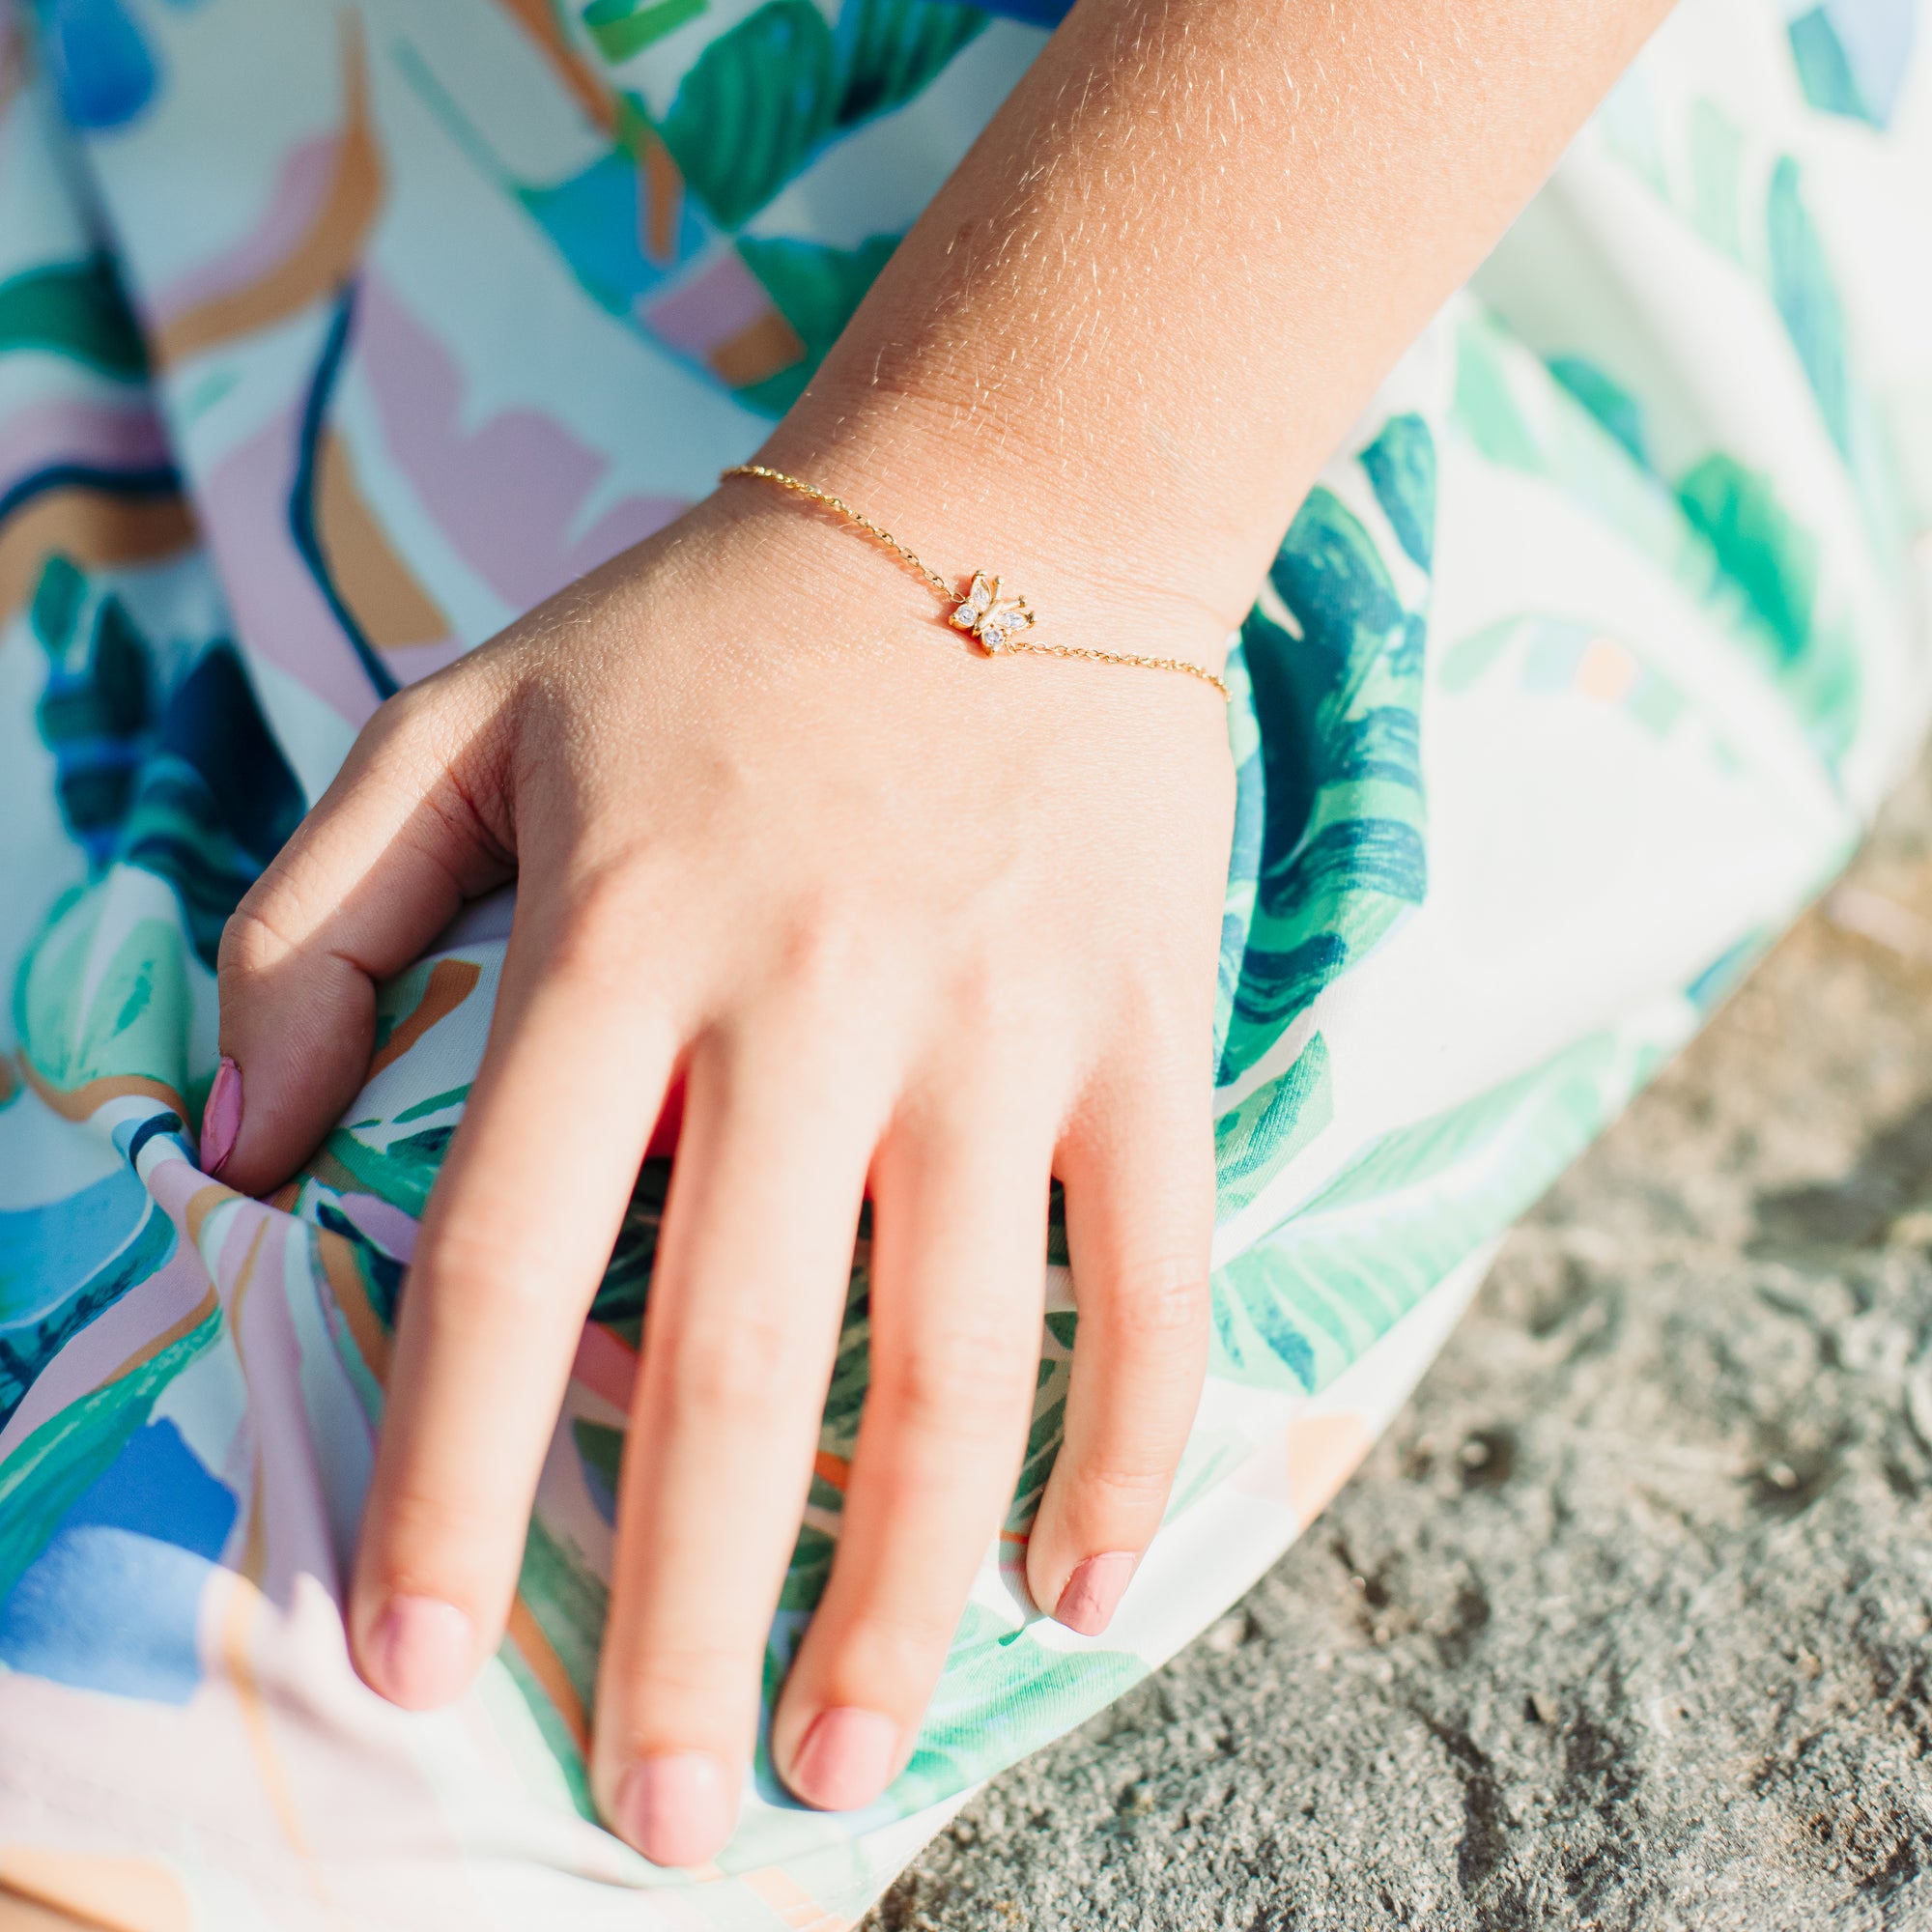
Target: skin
pixel 852 911
pixel 24 1914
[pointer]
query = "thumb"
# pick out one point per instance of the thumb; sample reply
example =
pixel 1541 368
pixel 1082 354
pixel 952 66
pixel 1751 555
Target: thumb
pixel 377 870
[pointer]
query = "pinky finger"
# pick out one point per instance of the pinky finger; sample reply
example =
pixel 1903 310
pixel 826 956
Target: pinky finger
pixel 1140 1198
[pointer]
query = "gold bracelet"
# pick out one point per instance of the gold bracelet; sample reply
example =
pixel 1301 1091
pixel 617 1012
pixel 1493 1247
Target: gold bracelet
pixel 999 624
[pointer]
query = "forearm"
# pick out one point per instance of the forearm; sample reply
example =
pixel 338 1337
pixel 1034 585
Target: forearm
pixel 1124 336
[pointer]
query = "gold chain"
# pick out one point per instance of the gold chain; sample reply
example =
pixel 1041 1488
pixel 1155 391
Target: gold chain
pixel 998 624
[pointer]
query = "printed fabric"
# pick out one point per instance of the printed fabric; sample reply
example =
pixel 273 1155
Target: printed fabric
pixel 332 337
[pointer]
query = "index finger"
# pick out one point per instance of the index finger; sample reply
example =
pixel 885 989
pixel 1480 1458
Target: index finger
pixel 517 1234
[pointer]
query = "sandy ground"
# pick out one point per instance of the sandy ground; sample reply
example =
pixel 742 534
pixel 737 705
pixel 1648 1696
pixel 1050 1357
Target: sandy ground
pixel 1627 1622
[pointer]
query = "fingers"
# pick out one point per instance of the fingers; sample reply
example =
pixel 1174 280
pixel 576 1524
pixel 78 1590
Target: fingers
pixel 373 873
pixel 959 1233
pixel 1139 1176
pixel 514 1242
pixel 740 1334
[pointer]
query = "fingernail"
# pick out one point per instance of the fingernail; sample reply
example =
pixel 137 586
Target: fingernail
pixel 846 1759
pixel 419 1652
pixel 221 1118
pixel 1094 1592
pixel 678 1809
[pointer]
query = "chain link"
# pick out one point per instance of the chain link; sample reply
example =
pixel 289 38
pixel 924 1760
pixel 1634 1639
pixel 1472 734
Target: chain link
pixel 799 488
pixel 845 510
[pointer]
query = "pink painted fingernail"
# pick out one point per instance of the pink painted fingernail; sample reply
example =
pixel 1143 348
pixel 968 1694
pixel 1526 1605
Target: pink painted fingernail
pixel 677 1808
pixel 846 1759
pixel 1094 1592
pixel 221 1118
pixel 419 1652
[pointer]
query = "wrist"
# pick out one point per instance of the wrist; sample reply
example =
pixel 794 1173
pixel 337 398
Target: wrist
pixel 966 492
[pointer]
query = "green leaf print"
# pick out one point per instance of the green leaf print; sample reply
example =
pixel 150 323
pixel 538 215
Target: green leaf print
pixel 570 1603
pixel 104 993
pixel 1823 70
pixel 1775 562
pixel 1807 299
pixel 1605 398
pixel 809 1571
pixel 622 28
pixel 1769 555
pixel 62 1459
pixel 766 91
pixel 1261 1136
pixel 815 288
pixel 752 107
pixel 76 310
pixel 1334 661
pixel 1401 464
pixel 57 603
pixel 1486 408
pixel 1768 574
pixel 1717 159
pixel 892 47
pixel 1302 1305
pixel 1001 1695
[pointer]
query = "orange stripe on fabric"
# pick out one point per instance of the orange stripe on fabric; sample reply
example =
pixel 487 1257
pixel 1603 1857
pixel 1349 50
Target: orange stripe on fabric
pixel 170 1335
pixel 325 254
pixel 122 1894
pixel 352 1296
pixel 379 586
pixel 662 198
pixel 834 1469
pixel 255 1551
pixel 92 527
pixel 202 1202
pixel 80 1103
pixel 451 981
pixel 245 1600
pixel 547 1667
pixel 757 352
pixel 791 1901
pixel 537 19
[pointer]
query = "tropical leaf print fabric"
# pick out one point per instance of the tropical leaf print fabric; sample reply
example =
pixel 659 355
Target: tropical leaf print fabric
pixel 334 336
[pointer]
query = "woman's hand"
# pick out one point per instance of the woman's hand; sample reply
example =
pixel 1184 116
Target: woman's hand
pixel 897 919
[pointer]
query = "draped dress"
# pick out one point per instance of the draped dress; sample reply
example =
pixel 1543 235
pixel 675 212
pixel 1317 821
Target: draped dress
pixel 333 336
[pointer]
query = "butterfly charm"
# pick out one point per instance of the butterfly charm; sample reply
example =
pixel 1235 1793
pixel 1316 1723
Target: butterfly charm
pixel 992 619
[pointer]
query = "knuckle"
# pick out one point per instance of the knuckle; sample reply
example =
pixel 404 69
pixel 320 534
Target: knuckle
pixel 252 946
pixel 656 1677
pixel 426 1521
pixel 822 951
pixel 1141 1485
pixel 979 995
pixel 399 717
pixel 967 1380
pixel 474 1275
pixel 748 1371
pixel 437 1542
pixel 597 933
pixel 1164 1299
pixel 422 720
pixel 896 1648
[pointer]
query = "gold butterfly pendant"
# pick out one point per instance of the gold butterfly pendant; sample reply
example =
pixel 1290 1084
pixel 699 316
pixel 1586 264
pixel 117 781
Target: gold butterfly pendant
pixel 992 619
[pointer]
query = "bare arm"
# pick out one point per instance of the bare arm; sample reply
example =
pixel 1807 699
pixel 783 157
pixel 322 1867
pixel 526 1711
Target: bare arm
pixel 1171 273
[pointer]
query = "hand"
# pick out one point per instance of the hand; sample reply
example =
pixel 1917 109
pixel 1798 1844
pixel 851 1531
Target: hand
pixel 895 921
